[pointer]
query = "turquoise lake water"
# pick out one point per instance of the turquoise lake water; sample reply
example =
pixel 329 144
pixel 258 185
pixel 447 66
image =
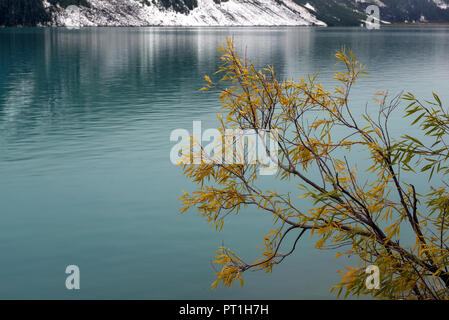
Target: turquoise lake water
pixel 85 174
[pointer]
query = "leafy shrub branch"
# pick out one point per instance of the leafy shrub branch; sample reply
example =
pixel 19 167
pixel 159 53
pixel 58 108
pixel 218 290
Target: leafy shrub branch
pixel 374 214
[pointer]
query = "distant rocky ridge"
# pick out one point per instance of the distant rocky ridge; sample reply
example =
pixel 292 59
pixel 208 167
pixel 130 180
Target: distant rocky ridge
pixel 186 13
pixel 215 12
pixel 351 12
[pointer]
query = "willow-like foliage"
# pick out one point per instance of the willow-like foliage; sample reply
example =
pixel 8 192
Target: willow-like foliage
pixel 359 214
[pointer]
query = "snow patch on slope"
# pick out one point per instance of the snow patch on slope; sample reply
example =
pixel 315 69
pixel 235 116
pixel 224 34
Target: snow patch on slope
pixel 441 4
pixel 208 13
pixel 379 3
pixel 309 6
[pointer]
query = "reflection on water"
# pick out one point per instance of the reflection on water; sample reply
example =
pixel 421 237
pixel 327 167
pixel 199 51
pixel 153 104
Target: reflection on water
pixel 85 119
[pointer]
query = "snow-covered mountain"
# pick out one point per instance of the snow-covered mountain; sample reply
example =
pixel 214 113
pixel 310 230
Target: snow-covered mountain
pixel 184 13
pixel 215 12
pixel 245 12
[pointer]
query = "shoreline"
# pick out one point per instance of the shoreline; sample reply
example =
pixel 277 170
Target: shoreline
pixel 426 25
pixel 389 25
pixel 177 26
